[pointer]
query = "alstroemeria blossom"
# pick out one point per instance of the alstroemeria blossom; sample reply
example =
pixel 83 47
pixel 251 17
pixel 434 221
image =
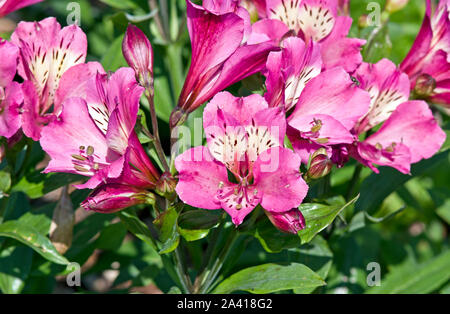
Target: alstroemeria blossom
pixel 10 92
pixel 8 6
pixel 388 88
pixel 326 112
pixel 317 21
pixel 289 70
pixel 409 132
pixel 46 52
pixel 245 163
pixel 221 55
pixel 429 54
pixel 94 134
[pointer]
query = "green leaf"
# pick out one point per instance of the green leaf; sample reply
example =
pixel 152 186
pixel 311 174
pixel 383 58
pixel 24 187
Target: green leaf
pixel 269 278
pixel 136 226
pixel 121 4
pixel 414 278
pixel 318 217
pixel 199 219
pixel 15 265
pixel 113 58
pixel 272 239
pixel 193 235
pixel 36 184
pixel 29 236
pixel 169 236
pixel 389 180
pixel 111 237
pixel 5 182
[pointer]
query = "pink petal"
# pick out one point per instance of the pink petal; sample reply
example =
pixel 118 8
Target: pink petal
pixel 71 135
pixel 333 93
pixel 388 88
pixel 9 6
pixel 278 179
pixel 199 178
pixel 10 120
pixel 9 54
pixel 414 126
pixel 338 50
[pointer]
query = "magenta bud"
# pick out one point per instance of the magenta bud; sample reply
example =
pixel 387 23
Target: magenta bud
pixel 320 165
pixel 138 53
pixel 290 222
pixel 110 198
pixel 425 85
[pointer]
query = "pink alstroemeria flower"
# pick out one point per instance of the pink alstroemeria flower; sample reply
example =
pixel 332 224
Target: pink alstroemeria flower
pixel 221 55
pixel 94 134
pixel 314 21
pixel 289 70
pixel 11 96
pixel 245 163
pixel 409 132
pixel 326 112
pixel 8 6
pixel 428 60
pixel 46 52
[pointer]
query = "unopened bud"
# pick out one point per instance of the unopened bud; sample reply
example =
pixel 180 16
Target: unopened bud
pixel 363 21
pixel 111 198
pixel 425 85
pixel 395 5
pixel 290 222
pixel 166 185
pixel 138 53
pixel 320 166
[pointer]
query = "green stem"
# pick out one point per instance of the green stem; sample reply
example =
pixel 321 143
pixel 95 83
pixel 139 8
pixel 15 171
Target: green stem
pixel 354 182
pixel 180 270
pixel 218 263
pixel 154 118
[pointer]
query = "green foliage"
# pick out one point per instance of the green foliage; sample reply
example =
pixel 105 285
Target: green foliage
pixel 399 221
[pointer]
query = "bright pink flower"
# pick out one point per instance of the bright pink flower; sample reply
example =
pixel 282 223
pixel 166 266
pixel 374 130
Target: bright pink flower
pixel 111 198
pixel 221 55
pixel 94 134
pixel 290 222
pixel 245 143
pixel 288 71
pixel 8 6
pixel 409 135
pixel 429 54
pixel 326 112
pixel 138 53
pixel 388 88
pixel 409 132
pixel 11 96
pixel 318 21
pixel 46 52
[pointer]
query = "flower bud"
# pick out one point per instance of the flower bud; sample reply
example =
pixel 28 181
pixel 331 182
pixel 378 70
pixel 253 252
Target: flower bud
pixel 363 21
pixel 138 53
pixel 425 85
pixel 395 5
pixel 166 185
pixel 321 164
pixel 290 222
pixel 111 198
